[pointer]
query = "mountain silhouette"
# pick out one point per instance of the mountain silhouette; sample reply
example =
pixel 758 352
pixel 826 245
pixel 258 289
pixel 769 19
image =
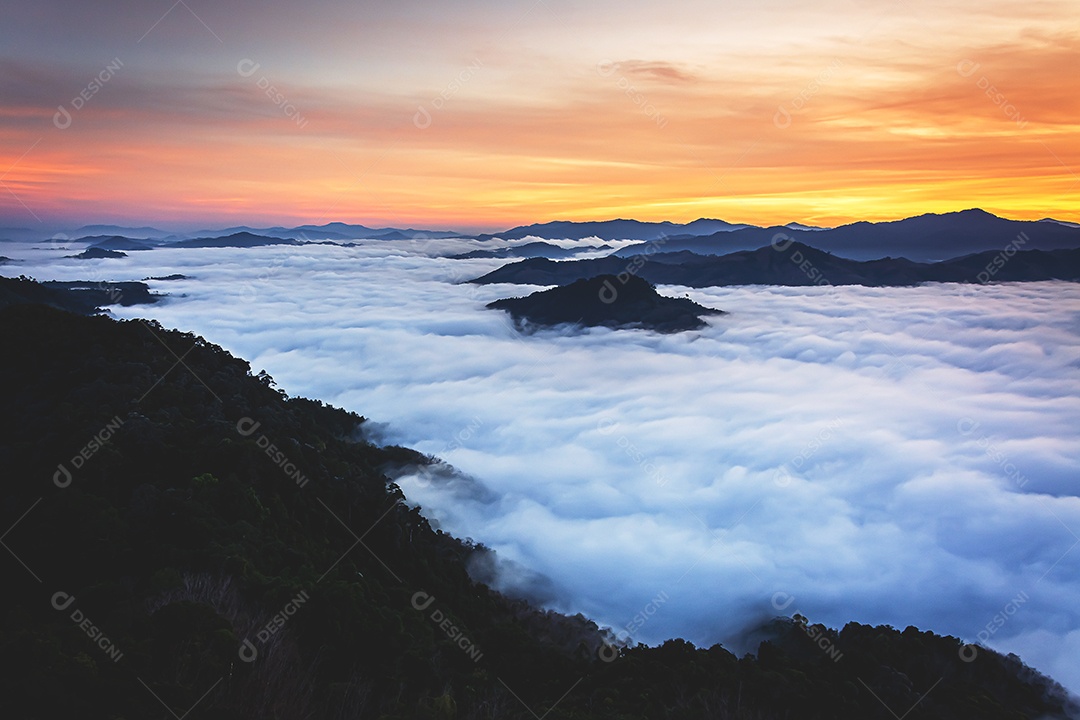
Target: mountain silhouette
pixel 609 301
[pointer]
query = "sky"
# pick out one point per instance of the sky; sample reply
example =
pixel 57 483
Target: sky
pixel 900 456
pixel 481 115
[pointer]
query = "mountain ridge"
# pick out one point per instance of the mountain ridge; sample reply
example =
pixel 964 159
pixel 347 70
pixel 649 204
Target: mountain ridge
pixel 794 263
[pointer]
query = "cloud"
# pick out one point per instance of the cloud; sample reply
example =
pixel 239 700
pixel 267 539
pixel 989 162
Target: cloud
pixel 401 117
pixel 884 455
pixel 656 70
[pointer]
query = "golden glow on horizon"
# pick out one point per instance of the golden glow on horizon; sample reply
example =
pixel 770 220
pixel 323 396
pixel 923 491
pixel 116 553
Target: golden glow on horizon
pixel 873 125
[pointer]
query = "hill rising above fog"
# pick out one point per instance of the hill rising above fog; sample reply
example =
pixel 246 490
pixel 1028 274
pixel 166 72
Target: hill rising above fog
pixel 608 301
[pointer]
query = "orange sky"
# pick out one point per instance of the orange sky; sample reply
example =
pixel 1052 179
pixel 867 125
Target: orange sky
pixel 485 116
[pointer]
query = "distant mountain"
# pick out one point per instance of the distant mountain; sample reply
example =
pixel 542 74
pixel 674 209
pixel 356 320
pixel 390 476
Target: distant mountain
pixel 346 231
pixel 924 238
pixel 613 230
pixel 97 253
pixel 116 242
pixel 528 250
pixel 334 231
pixel 283 233
pixel 19 234
pixel 236 240
pixel 1066 223
pixel 139 232
pixel 609 301
pixel 412 234
pixel 797 264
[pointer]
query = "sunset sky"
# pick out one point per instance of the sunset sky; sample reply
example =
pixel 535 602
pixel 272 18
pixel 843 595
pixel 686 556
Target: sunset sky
pixel 482 115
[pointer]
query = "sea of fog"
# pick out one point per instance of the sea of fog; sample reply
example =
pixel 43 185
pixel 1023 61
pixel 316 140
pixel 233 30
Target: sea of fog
pixel 901 456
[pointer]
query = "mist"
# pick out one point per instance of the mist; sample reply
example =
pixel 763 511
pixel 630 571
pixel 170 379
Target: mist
pixel 901 456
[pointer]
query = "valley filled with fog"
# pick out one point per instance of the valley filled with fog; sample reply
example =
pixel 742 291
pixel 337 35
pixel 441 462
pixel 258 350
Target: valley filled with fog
pixel 902 456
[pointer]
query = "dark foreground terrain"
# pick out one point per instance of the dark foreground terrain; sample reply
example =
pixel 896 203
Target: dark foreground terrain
pixel 182 540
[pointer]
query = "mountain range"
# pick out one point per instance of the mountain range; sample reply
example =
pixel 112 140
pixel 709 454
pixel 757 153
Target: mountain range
pixel 923 238
pixel 796 264
pixel 613 230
